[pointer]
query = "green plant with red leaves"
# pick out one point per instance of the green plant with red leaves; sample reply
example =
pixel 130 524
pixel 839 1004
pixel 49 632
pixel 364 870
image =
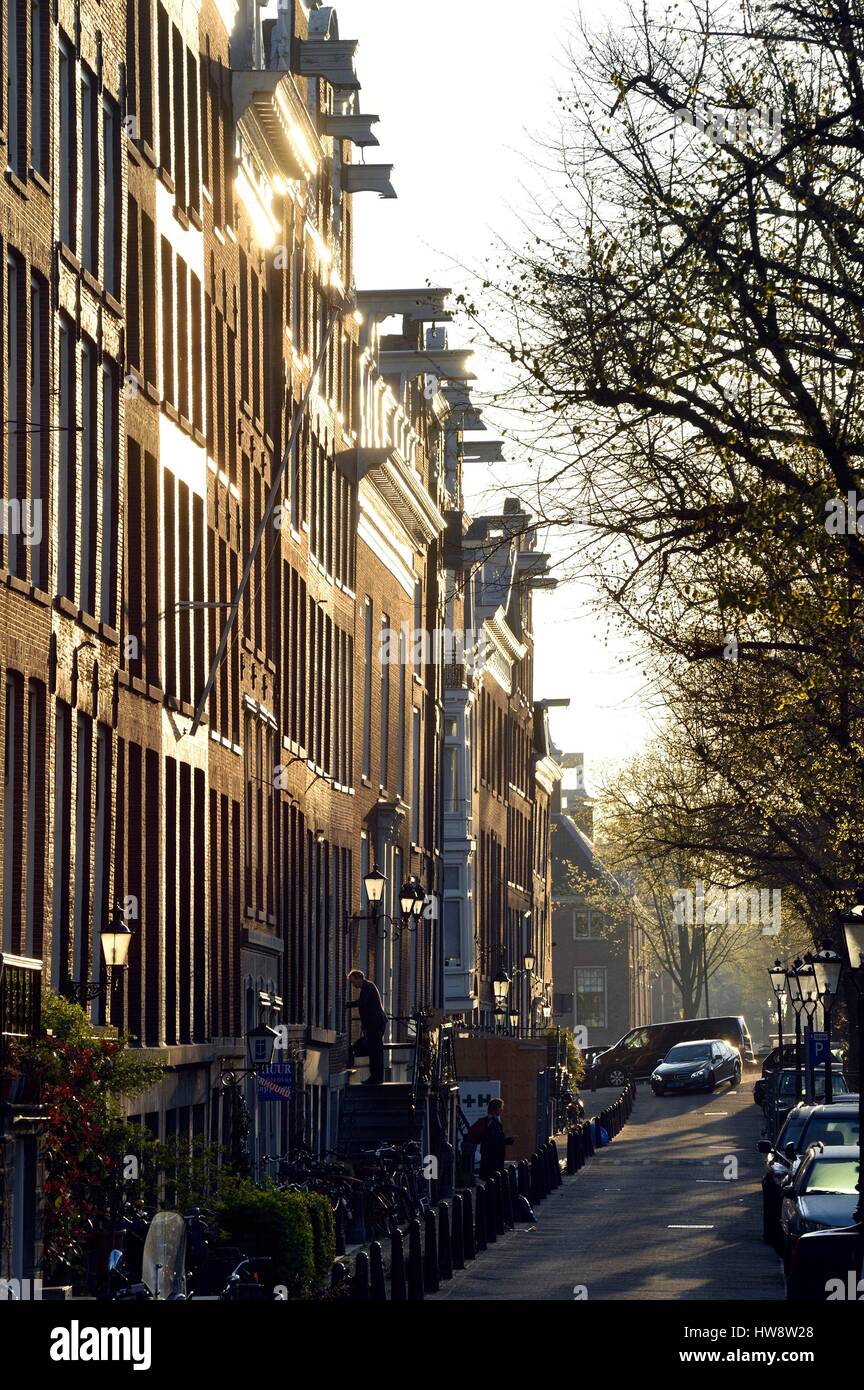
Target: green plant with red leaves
pixel 85 1077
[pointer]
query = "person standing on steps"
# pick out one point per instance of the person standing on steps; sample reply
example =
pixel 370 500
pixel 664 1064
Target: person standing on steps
pixel 373 1022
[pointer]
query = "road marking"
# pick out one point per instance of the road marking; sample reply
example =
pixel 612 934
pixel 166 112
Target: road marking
pixel 680 1227
pixel 715 1112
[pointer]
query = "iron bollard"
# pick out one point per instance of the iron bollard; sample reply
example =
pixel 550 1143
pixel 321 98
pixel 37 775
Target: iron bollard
pixel 491 1213
pixel 469 1247
pixel 498 1185
pixel 572 1164
pixel 556 1163
pixel 507 1199
pixel 480 1216
pixel 524 1177
pixel 360 1282
pixel 457 1233
pixel 513 1176
pixel 430 1253
pixel 445 1252
pixel 580 1147
pixel 377 1282
pixel 538 1191
pixel 339 1229
pixel 415 1262
pixel 588 1136
pixel 398 1286
pixel 339 1277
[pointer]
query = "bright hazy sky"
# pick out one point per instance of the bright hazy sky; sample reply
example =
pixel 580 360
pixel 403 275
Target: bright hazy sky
pixel 460 87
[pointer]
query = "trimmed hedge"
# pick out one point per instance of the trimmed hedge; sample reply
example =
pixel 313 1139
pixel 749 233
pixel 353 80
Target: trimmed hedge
pixel 294 1229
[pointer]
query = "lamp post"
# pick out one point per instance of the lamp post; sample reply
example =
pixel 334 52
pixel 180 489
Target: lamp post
pixel 115 938
pixel 412 901
pixel 529 961
pixel 853 932
pixel 777 976
pixel 797 1000
pixel 810 1002
pixel 826 970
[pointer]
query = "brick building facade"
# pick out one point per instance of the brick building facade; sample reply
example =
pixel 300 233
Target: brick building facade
pixel 180 320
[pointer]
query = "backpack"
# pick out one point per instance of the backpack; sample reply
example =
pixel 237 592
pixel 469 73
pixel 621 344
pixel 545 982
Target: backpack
pixel 477 1130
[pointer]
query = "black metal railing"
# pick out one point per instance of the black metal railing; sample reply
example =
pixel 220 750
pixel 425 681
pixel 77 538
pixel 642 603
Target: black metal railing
pixel 20 1000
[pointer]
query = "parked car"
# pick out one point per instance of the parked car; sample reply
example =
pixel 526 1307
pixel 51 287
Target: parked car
pixel 642 1049
pixel 772 1062
pixel 781 1095
pixel 697 1066
pixel 827 1266
pixel 821 1196
pixel 804 1125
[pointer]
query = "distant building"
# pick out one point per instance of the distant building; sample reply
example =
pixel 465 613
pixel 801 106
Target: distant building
pixel 602 974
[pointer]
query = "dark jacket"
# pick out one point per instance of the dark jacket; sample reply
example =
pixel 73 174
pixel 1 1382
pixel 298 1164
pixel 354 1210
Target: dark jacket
pixel 369 1008
pixel 493 1147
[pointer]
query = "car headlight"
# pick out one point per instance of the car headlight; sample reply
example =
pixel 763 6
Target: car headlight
pixel 655 1076
pixel 703 1071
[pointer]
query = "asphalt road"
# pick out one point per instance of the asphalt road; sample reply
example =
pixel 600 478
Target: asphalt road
pixel 671 1209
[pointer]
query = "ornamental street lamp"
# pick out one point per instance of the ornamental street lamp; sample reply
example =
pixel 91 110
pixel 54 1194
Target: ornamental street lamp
pixel 797 1000
pixel 777 975
pixel 826 969
pixel 500 988
pixel 412 901
pixel 810 1002
pixel 853 932
pixel 115 937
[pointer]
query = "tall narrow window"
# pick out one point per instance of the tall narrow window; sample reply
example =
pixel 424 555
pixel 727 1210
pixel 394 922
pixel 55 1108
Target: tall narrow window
pixel 12 812
pixel 192 131
pixel 16 430
pixel 83 846
pixel 110 449
pixel 101 851
pixel 39 436
pixel 90 171
pixel 415 776
pixel 384 660
pixel 164 84
pixel 178 73
pixel 14 53
pixel 148 290
pixel 168 389
pixel 197 352
pixel 89 477
pixel 67 500
pixel 111 200
pixel 144 48
pixel 36 802
pixel 367 689
pixel 67 153
pixel 62 819
pixel 38 86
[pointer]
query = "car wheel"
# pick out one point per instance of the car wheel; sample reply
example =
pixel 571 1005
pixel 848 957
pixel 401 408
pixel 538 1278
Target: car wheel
pixel 736 1074
pixel 616 1077
pixel 712 1082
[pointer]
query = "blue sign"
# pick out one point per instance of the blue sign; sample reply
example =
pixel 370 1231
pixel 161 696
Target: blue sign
pixel 817 1049
pixel 277 1082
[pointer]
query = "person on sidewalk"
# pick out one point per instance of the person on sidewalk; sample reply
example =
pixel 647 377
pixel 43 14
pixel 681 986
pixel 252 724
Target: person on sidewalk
pixel 493 1142
pixel 373 1022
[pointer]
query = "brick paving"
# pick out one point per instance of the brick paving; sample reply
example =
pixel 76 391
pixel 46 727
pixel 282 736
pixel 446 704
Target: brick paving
pixel 659 1214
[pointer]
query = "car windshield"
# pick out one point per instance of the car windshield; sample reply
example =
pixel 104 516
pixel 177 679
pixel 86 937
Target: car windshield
pixel 829 1129
pixel 689 1052
pixel 787 1084
pixel 833 1177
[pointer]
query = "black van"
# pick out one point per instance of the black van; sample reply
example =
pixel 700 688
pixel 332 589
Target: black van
pixel 639 1051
